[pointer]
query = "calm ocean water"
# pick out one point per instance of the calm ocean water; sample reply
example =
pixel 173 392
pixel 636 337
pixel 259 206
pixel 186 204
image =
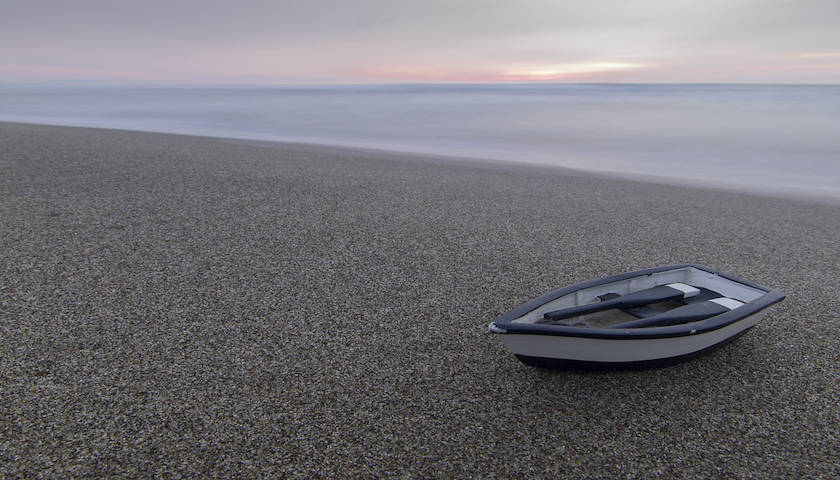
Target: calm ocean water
pixel 783 139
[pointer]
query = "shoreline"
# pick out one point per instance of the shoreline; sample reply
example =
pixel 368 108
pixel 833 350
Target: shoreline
pixel 773 191
pixel 182 306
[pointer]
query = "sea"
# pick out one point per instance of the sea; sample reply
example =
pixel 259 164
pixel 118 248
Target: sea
pixel 777 139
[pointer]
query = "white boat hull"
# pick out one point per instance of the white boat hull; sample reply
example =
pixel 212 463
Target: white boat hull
pixel 620 351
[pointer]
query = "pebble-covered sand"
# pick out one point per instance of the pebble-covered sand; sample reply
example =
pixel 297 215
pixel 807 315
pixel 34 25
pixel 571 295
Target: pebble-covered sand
pixel 181 307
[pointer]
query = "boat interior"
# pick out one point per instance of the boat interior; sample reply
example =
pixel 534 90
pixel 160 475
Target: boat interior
pixel 710 286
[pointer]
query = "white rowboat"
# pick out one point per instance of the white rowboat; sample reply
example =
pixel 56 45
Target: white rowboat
pixel 642 318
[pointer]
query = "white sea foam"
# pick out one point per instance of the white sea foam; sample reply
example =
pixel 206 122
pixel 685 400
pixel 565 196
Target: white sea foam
pixel 750 137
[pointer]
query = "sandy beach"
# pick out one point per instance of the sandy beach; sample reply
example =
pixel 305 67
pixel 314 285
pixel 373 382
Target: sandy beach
pixel 176 306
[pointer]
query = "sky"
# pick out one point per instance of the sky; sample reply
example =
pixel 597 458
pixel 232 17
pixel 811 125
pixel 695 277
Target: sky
pixel 367 41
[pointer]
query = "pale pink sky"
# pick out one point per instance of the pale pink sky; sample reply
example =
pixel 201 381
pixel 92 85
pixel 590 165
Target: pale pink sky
pixel 293 41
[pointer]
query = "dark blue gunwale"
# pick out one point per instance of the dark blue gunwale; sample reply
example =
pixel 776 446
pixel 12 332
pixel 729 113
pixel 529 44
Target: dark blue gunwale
pixel 506 321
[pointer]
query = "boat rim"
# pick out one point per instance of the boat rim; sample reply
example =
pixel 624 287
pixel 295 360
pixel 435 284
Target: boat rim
pixel 505 324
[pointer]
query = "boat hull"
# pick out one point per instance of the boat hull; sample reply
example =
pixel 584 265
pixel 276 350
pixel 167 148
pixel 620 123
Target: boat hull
pixel 551 351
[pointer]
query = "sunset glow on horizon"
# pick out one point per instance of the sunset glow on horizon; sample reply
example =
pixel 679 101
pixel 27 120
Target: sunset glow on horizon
pixel 368 41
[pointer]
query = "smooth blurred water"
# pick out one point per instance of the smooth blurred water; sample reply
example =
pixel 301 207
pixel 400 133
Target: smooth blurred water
pixel 782 139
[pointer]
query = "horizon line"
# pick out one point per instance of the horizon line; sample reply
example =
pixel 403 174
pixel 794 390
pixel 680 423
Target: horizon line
pixel 95 83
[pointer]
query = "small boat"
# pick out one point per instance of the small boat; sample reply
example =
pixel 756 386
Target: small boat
pixel 644 318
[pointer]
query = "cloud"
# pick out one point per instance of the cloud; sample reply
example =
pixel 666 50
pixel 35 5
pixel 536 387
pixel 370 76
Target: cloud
pixel 192 40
